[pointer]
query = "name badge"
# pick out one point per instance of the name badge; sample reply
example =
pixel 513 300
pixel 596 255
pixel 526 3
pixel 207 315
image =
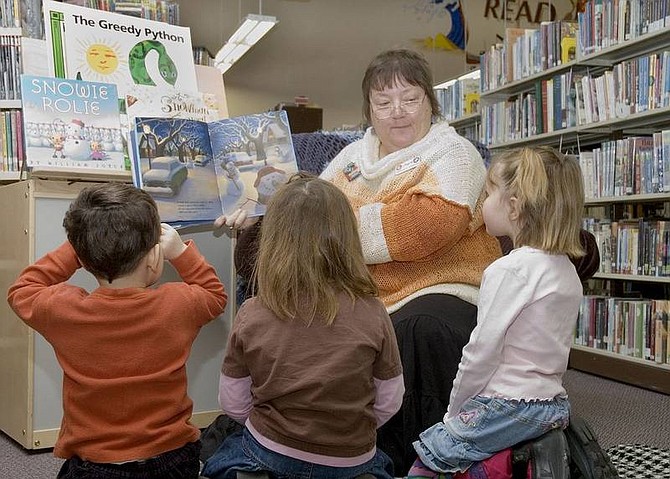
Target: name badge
pixel 351 171
pixel 407 165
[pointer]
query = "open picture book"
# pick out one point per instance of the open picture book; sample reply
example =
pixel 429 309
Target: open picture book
pixel 197 171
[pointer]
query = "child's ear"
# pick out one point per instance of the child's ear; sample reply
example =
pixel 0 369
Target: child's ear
pixel 514 208
pixel 154 258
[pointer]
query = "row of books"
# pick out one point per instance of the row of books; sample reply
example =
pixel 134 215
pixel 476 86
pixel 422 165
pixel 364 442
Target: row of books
pixel 636 165
pixel 632 86
pixel 605 23
pixel 525 52
pixel 201 56
pixel 471 131
pixel 24 14
pixel 196 164
pixel 632 246
pixel 631 327
pixel 11 140
pixel 160 10
pixel 10 13
pixel 10 67
pixel 569 99
pixel 550 106
pixel 509 120
pixel 459 98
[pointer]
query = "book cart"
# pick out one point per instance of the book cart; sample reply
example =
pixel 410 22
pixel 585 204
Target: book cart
pixel 30 399
pixel 34 203
pixel 551 106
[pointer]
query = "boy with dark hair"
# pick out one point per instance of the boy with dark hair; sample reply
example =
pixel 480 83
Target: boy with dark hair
pixel 123 347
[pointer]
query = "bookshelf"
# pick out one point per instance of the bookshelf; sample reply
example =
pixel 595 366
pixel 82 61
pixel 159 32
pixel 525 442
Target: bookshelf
pixel 594 64
pixel 9 176
pixel 627 299
pixel 513 114
pixel 11 147
pixel 459 101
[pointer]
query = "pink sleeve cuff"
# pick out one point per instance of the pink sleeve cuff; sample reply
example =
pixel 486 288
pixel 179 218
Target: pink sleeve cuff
pixel 388 398
pixel 235 397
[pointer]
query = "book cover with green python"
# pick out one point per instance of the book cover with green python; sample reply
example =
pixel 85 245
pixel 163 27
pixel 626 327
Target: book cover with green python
pixel 133 53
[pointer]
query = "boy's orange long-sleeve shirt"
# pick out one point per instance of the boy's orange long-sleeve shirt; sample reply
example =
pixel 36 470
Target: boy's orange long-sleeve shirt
pixel 123 353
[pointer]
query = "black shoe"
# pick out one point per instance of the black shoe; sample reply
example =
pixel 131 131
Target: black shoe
pixel 547 457
pixel 550 456
pixel 588 460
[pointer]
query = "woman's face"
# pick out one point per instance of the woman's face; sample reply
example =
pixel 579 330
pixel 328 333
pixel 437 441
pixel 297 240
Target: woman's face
pixel 405 116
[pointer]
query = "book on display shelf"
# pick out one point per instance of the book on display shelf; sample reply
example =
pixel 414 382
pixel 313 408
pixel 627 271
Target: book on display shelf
pixel 133 53
pixel 71 124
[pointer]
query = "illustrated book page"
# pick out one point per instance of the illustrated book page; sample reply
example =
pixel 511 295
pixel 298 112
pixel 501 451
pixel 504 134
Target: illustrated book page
pixel 172 103
pixel 197 171
pixel 255 156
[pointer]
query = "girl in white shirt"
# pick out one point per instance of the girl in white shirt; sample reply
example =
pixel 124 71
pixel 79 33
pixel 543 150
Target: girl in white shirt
pixel 509 383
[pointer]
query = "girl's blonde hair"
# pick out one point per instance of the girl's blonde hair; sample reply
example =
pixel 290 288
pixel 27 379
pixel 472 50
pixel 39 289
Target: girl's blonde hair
pixel 310 252
pixel 550 194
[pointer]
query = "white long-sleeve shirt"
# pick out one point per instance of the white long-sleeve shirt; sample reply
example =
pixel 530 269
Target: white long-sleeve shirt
pixel 528 306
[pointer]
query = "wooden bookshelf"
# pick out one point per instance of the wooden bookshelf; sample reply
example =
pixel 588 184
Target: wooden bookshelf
pixel 466 121
pixel 638 372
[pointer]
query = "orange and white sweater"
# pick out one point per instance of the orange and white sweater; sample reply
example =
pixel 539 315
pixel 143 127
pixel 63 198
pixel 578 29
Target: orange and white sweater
pixel 419 214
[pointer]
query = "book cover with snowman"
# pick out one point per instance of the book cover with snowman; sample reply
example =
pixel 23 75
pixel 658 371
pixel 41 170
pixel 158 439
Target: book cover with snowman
pixel 71 124
pixel 197 170
pixel 133 53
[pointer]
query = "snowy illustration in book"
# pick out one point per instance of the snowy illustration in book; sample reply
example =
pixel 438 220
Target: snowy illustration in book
pixel 64 120
pixel 254 156
pixel 197 171
pixel 131 52
pixel 170 163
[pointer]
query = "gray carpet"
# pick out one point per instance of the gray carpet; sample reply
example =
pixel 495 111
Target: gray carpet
pixel 619 414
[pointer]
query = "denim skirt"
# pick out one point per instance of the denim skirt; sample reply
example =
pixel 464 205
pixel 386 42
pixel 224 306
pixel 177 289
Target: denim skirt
pixel 485 426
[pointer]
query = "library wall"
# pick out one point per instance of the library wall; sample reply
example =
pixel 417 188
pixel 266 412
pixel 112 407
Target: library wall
pixel 321 48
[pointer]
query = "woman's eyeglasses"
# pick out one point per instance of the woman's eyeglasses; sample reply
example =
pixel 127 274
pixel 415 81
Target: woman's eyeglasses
pixel 385 110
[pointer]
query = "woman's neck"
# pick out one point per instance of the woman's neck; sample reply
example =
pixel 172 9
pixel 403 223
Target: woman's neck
pixel 382 151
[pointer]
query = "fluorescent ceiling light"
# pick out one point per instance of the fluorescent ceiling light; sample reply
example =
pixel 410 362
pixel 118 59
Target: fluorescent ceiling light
pixel 249 32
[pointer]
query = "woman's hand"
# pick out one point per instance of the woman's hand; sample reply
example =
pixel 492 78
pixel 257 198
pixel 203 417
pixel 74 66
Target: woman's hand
pixel 237 220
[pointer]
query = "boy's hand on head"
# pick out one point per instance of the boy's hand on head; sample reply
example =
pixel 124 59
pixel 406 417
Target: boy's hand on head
pixel 237 220
pixel 171 242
